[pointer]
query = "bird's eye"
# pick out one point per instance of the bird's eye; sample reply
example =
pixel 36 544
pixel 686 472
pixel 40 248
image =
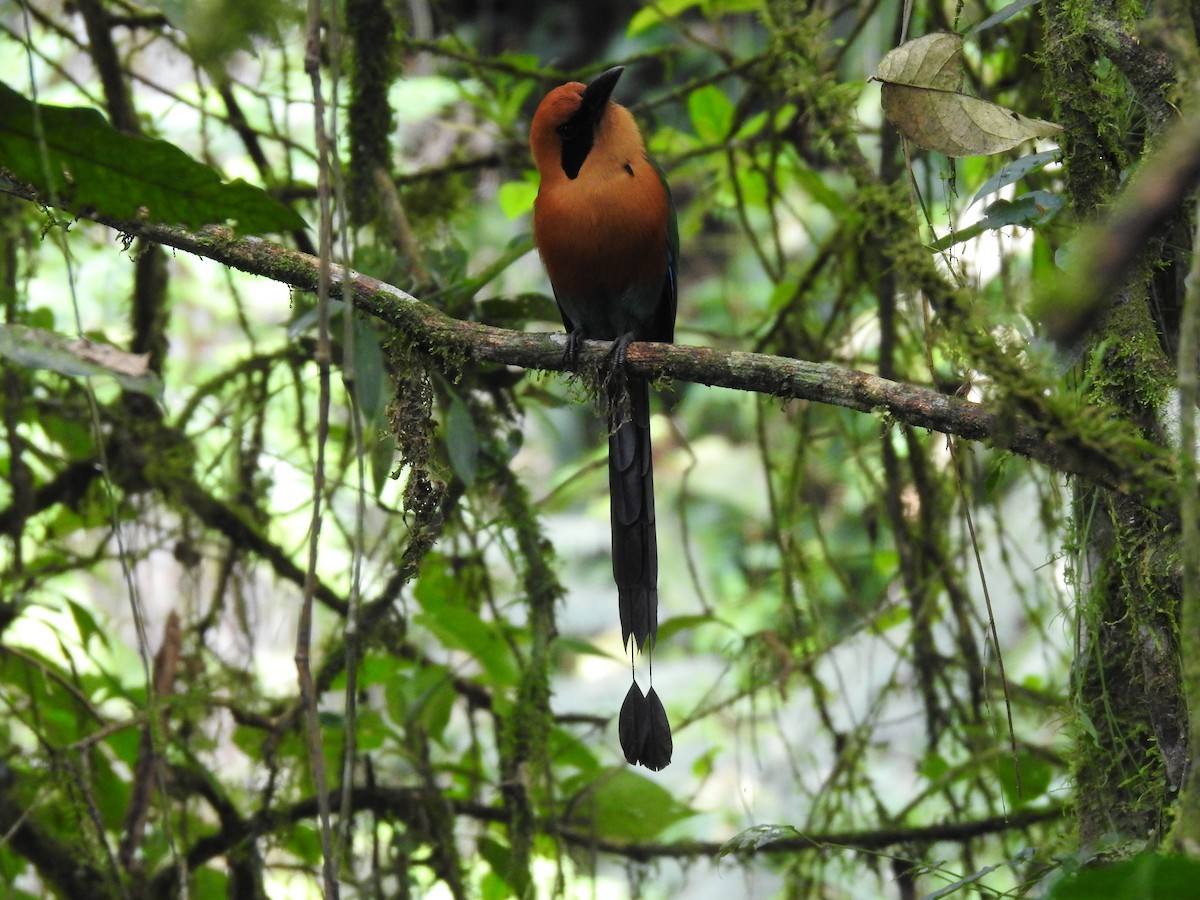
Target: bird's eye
pixel 567 129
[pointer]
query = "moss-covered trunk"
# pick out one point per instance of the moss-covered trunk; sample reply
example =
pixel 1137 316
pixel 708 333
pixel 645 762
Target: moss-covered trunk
pixel 1131 715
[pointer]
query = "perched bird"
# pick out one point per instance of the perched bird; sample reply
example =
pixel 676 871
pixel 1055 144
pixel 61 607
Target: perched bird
pixel 605 227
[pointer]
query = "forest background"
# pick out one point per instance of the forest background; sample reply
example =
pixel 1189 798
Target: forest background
pixel 299 599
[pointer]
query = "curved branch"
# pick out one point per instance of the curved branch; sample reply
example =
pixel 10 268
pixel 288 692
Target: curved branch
pixel 57 862
pixel 1059 444
pixel 870 839
pixel 408 804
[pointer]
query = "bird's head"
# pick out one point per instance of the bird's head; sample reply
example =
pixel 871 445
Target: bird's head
pixel 573 119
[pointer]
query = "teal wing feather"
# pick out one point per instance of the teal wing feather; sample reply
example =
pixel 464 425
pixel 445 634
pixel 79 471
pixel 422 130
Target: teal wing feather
pixel 665 330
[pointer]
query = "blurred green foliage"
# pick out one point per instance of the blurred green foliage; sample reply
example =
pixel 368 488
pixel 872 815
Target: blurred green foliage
pixel 826 654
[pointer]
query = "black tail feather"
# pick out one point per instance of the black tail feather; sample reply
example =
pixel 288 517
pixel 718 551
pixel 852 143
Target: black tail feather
pixel 631 489
pixel 644 730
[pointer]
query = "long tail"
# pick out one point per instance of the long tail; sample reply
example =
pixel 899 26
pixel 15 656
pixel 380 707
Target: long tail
pixel 631 488
pixel 643 728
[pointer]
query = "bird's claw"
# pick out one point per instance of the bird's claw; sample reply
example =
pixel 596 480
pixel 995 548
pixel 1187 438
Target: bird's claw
pixel 575 341
pixel 618 356
pixel 616 381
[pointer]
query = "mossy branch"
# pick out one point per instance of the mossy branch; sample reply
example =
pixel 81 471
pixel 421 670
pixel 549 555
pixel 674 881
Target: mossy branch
pixel 1143 472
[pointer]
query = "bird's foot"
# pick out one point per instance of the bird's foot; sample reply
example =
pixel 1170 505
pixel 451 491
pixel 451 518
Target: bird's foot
pixel 618 356
pixel 615 381
pixel 575 341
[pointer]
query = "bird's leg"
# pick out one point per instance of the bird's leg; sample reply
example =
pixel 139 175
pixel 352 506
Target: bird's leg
pixel 619 354
pixel 615 379
pixel 575 339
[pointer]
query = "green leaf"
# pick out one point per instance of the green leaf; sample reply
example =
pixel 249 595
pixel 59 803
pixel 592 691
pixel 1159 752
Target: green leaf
pixel 1027 210
pixel 74 437
pixel 12 865
pixel 461 629
pixel 714 8
pixel 85 623
pixel 623 805
pixel 207 881
pixel 371 383
pixel 706 763
pixel 516 198
pixel 759 836
pixel 753 185
pixel 1013 172
pixel 373 669
pixel 436 587
pixel 125 745
pixel 462 443
pixel 304 840
pixel 783 293
pixel 37 349
pixel 1035 773
pixel 1033 208
pixel 110 791
pixel 415 98
pixel 308 319
pixel 498 856
pixel 1003 15
pixel 370 732
pixel 676 624
pixel 88 164
pixel 569 752
pixel 649 16
pixel 996 473
pixel 493 887
pixel 383 455
pixel 752 126
pixel 889 618
pixel 292 746
pixel 511 100
pixel 59 722
pixel 814 185
pixel 885 562
pixel 1136 878
pixel 217 28
pixel 426 697
pixel 934 766
pixel 711 113
pixel 566 644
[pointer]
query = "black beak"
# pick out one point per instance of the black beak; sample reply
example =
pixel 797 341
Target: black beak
pixel 579 132
pixel 596 94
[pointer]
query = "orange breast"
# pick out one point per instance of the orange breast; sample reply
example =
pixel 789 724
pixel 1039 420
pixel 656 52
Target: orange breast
pixel 604 245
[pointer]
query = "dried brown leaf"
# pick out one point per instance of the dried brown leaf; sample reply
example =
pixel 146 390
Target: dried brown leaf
pixel 921 96
pixel 932 61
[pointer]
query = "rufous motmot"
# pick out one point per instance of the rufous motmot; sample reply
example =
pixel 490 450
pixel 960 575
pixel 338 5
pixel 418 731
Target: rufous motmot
pixel 605 227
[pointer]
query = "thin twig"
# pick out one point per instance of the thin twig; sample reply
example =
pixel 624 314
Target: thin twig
pixel 324 354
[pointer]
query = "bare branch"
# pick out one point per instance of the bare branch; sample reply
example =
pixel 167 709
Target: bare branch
pixel 408 804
